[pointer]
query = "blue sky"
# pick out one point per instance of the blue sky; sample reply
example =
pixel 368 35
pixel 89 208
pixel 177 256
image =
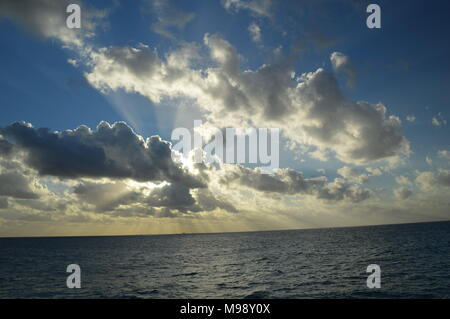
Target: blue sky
pixel 404 65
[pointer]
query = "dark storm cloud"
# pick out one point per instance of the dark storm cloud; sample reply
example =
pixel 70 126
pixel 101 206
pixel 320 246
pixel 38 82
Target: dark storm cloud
pixel 112 151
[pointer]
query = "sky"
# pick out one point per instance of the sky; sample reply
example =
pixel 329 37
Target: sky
pixel 86 115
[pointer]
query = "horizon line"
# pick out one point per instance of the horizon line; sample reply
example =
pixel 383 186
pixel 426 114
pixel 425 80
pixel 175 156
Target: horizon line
pixel 229 232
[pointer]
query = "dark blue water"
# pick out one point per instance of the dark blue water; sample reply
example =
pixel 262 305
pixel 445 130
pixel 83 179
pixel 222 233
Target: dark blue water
pixel 323 263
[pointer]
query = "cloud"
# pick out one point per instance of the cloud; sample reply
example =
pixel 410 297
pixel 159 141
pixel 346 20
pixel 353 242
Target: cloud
pixel 112 151
pixel 110 170
pixel 209 201
pixel 411 118
pixel 16 186
pixel 353 175
pixel 402 193
pixel 11 214
pixel 438 120
pixel 6 148
pixel 374 171
pixel 291 182
pixel 283 181
pixel 403 180
pixel 358 132
pixel 433 180
pixel 169 17
pixel 340 190
pixel 255 32
pixel 341 64
pixel 256 7
pixel 47 19
pixel 105 196
pixel 354 131
pixel 163 200
pixel 444 154
pixel 174 196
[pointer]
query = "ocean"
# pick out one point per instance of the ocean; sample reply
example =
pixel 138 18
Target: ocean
pixel 318 263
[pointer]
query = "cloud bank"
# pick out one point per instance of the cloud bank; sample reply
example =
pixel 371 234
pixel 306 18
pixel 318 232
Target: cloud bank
pixel 310 108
